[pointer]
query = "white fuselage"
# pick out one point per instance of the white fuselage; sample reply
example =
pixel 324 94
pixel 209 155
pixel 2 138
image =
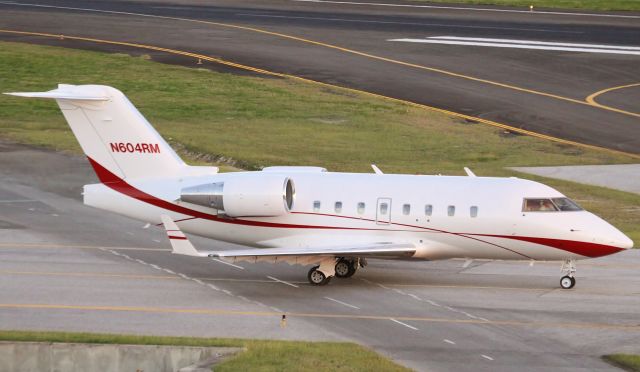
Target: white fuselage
pixel 432 212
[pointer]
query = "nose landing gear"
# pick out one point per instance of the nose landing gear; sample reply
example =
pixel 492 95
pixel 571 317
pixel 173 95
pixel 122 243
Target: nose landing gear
pixel 568 281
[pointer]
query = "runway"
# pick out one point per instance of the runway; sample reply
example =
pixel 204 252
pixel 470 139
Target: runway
pixel 571 76
pixel 64 266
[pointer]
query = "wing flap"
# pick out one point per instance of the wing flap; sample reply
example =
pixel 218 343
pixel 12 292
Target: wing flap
pixel 381 249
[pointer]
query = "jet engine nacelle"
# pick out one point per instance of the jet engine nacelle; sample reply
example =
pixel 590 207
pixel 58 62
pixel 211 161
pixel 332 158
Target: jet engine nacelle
pixel 260 195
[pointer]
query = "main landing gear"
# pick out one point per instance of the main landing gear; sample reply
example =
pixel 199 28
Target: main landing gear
pixel 568 281
pixel 340 267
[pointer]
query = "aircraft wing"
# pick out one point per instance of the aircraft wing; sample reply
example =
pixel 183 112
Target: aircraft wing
pixel 380 249
pixel 181 245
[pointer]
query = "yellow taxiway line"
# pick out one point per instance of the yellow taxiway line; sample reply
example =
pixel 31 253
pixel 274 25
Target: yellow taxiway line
pixel 592 98
pixel 195 311
pixel 298 78
pixel 342 49
pixel 56 246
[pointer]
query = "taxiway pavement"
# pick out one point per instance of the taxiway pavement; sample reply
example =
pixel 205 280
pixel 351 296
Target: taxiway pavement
pixel 68 267
pixel 575 95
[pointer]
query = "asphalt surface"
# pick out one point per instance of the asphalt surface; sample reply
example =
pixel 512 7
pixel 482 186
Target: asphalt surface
pixel 540 90
pixel 615 176
pixel 65 266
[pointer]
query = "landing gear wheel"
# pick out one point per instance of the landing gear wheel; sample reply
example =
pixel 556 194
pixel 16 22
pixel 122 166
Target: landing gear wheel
pixel 317 277
pixel 345 268
pixel 567 282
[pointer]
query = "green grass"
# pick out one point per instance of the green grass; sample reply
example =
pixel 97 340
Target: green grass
pixel 627 362
pixel 260 355
pixel 250 122
pixel 632 5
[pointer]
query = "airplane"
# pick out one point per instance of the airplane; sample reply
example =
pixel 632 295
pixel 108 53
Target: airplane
pixel 307 215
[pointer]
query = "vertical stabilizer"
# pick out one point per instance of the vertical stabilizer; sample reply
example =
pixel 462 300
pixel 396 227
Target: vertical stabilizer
pixel 112 132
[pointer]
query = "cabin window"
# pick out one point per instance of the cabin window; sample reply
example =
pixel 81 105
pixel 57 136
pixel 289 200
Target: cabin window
pixel 566 204
pixel 338 207
pixel 384 208
pixel 316 206
pixel 550 205
pixel 474 211
pixel 406 209
pixel 538 205
pixel 428 209
pixel 361 208
pixel 451 210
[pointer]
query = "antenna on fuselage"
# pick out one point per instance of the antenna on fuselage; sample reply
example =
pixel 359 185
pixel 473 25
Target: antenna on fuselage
pixel 376 169
pixel 469 172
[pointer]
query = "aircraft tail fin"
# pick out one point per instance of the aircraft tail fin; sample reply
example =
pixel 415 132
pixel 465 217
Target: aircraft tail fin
pixel 112 132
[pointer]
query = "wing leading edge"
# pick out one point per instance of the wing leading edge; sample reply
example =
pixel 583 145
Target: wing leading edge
pixel 181 245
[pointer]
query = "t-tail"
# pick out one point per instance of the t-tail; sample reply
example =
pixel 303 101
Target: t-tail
pixel 113 133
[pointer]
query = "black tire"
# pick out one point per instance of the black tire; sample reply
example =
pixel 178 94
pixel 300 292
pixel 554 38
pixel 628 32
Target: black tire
pixel 567 282
pixel 345 268
pixel 317 277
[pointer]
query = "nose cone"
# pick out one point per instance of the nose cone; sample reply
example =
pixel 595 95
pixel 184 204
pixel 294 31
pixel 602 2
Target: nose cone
pixel 626 243
pixel 609 235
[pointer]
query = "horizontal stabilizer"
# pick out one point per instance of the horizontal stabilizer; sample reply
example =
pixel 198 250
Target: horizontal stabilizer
pixel 66 92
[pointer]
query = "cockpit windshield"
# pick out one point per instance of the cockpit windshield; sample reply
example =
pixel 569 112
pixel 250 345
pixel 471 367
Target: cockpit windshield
pixel 549 205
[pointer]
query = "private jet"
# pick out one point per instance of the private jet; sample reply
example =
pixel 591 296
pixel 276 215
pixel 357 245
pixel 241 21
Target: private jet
pixel 307 215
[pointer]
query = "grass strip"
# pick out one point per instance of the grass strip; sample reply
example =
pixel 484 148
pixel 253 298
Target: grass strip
pixel 260 355
pixel 249 122
pixel 628 362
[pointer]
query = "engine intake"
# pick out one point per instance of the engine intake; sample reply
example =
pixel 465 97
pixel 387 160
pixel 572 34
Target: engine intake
pixel 261 195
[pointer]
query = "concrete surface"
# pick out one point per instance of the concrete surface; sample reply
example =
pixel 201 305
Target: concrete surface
pixel 425 73
pixel 67 267
pixel 72 357
pixel 625 177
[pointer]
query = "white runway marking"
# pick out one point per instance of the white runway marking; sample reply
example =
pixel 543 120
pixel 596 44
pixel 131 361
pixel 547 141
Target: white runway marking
pixel 487 357
pixel 404 324
pixel 449 341
pixel 525 44
pixel 425 24
pixel 228 263
pixel 469 9
pixel 342 303
pixel 534 42
pixel 282 281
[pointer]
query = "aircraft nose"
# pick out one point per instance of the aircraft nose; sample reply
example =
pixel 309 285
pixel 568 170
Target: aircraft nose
pixel 618 239
pixel 604 233
pixel 626 243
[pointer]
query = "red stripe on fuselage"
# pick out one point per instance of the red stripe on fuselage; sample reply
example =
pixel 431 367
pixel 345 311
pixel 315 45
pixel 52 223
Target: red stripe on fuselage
pixel 116 183
pixel 582 248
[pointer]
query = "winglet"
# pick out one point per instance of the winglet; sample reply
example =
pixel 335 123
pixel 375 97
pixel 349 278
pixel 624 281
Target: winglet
pixel 179 242
pixel 376 169
pixel 469 172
